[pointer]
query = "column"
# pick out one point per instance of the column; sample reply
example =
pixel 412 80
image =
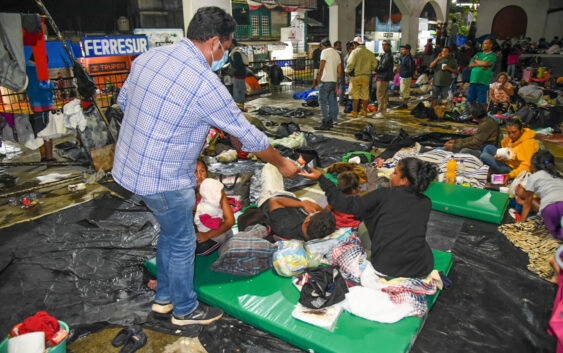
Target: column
pixel 342 20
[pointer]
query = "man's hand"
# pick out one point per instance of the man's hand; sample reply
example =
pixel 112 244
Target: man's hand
pixel 311 207
pixel 449 145
pixel 313 175
pixel 499 158
pixel 288 168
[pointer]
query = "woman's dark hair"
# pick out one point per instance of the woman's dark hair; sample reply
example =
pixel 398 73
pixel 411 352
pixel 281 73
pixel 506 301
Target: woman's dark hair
pixel 502 74
pixel 544 160
pixel 210 22
pixel 515 121
pixel 477 110
pixel 348 182
pixel 419 173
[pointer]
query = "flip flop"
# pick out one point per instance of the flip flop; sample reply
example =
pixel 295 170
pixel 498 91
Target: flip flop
pixel 135 342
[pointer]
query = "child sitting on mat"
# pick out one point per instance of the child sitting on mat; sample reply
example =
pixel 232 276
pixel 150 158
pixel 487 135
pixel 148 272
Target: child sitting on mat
pixel 349 184
pixel 396 218
pixel 546 182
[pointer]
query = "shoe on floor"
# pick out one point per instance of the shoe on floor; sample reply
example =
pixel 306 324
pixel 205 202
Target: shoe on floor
pixel 364 113
pixel 379 115
pixel 325 125
pixel 135 342
pixel 202 315
pixel 403 106
pixel 123 336
pixel 162 309
pixel 352 115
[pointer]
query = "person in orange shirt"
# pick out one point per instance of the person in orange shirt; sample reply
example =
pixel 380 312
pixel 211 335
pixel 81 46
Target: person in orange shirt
pixel 523 144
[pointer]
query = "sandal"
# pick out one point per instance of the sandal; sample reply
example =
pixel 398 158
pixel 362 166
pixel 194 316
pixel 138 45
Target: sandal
pixel 124 335
pixel 135 342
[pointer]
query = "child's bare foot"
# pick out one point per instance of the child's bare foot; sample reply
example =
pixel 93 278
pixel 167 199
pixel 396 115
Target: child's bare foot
pixel 152 284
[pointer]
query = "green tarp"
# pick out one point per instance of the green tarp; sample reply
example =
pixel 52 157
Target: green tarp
pixel 266 301
pixel 484 205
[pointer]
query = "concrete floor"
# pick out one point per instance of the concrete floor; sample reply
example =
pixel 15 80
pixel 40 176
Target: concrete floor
pixel 394 120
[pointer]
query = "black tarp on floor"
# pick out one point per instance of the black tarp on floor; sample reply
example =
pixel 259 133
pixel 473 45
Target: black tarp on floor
pixel 84 265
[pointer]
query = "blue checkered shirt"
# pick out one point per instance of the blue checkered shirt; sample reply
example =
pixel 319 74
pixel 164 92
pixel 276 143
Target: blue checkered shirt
pixel 170 100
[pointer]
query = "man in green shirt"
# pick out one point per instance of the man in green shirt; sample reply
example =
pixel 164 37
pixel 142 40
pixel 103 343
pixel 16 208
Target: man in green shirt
pixel 482 69
pixel 444 66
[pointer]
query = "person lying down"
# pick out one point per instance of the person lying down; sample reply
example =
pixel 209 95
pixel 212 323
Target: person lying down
pixel 396 218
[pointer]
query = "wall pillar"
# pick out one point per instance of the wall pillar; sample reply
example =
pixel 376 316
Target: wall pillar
pixel 190 7
pixel 342 20
pixel 409 31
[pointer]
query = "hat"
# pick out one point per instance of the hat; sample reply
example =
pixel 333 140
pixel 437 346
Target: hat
pixel 359 40
pixel 406 46
pixel 325 42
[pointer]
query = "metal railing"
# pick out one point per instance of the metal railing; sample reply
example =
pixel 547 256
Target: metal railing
pixel 65 90
pixel 295 71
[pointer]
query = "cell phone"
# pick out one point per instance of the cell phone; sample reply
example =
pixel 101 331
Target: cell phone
pixel 306 168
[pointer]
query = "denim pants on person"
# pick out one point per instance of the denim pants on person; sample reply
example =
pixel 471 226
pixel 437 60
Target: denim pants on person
pixel 477 93
pixel 175 253
pixel 327 101
pixel 511 70
pixel 239 90
pixel 488 157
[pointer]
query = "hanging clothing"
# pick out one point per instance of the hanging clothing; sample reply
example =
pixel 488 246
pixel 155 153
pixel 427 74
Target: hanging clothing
pixel 37 42
pixel 12 59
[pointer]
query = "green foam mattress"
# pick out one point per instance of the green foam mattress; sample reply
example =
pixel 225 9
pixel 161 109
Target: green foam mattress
pixel 484 205
pixel 266 301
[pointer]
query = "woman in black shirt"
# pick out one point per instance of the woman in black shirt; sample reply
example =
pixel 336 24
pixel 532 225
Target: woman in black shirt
pixel 395 217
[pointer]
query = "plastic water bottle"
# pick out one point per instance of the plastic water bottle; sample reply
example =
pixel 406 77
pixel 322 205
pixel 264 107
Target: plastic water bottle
pixel 461 168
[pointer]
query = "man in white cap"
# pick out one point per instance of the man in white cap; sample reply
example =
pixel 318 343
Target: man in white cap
pixel 361 64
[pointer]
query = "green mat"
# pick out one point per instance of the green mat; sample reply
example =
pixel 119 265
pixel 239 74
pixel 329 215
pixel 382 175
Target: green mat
pixel 266 301
pixel 484 205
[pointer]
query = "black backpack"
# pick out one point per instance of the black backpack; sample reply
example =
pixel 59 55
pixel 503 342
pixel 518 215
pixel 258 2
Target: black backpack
pixel 85 83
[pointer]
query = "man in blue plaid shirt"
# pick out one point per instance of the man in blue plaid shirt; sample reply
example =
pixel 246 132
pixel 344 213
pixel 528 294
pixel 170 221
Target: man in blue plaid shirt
pixel 170 100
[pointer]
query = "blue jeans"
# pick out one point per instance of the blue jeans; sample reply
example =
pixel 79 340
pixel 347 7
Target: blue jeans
pixel 477 93
pixel 175 253
pixel 239 90
pixel 327 101
pixel 488 157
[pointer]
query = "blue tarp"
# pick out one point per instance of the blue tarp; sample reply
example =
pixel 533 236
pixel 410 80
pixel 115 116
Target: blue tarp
pixel 58 58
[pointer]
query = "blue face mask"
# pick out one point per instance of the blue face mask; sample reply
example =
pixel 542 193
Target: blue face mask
pixel 217 65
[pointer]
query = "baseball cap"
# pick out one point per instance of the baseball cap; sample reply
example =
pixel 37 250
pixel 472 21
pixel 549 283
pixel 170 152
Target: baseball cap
pixel 359 40
pixel 325 42
pixel 406 46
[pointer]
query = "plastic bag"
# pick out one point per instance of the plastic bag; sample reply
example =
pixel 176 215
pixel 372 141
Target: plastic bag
pixel 290 259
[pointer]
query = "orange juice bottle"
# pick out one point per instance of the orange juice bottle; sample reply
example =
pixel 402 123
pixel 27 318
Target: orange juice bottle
pixel 450 175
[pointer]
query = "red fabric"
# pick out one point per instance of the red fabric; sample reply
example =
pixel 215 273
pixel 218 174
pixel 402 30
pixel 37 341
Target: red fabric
pixel 86 104
pixel 344 220
pixel 210 222
pixel 37 43
pixel 556 323
pixel 41 321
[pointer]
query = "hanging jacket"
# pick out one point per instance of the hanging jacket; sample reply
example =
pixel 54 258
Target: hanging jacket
pixel 12 59
pixel 239 62
pixel 385 67
pixel 523 148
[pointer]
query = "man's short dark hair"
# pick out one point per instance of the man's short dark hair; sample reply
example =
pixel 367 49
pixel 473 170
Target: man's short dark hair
pixel 477 110
pixel 322 224
pixel 348 182
pixel 339 42
pixel 326 43
pixel 210 22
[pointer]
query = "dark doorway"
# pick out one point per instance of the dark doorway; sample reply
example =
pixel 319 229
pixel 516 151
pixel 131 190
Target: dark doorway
pixel 510 22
